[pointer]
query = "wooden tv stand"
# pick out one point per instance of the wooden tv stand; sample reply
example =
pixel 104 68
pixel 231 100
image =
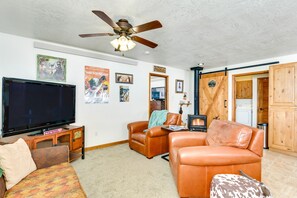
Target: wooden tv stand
pixel 73 136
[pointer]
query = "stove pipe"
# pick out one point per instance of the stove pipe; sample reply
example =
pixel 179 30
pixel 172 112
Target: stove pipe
pixel 197 75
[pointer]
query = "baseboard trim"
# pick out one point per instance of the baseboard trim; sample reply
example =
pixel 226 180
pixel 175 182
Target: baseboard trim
pixel 105 145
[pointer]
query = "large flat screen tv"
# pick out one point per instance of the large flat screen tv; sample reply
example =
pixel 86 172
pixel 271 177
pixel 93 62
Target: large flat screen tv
pixel 34 105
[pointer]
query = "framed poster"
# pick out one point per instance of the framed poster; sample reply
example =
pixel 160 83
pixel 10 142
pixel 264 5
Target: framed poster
pixel 179 86
pixel 124 78
pixel 51 68
pixel 96 85
pixel 124 94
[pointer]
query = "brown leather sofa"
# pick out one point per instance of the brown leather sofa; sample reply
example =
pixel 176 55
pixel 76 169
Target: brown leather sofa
pixel 155 140
pixel 226 148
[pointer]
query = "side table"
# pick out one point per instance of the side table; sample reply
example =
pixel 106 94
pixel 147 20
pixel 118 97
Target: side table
pixel 172 128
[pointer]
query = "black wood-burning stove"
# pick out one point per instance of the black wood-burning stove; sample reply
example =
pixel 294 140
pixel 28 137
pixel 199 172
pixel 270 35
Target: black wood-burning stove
pixel 197 123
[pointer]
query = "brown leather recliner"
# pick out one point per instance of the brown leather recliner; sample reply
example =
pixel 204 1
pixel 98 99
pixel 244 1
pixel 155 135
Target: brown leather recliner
pixel 226 148
pixel 155 140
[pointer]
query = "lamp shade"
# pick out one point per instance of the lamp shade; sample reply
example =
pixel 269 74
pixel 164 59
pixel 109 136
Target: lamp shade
pixel 123 43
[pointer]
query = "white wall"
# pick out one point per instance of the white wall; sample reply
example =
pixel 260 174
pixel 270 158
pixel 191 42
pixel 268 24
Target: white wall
pixel 157 82
pixel 281 59
pixel 104 123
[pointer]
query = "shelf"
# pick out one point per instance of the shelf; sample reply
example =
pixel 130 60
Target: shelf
pixel 72 136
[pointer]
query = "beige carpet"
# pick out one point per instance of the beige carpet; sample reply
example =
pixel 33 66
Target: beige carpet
pixel 120 172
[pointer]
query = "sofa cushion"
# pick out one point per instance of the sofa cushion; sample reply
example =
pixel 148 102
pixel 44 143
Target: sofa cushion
pixel 16 162
pixel 55 181
pixel 227 134
pixel 173 119
pixel 139 137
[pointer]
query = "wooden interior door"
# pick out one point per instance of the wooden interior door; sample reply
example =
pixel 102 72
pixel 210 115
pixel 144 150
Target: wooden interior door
pixel 214 96
pixel 262 109
pixel 160 104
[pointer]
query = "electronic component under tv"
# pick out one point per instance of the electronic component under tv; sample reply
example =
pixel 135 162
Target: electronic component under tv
pixel 29 105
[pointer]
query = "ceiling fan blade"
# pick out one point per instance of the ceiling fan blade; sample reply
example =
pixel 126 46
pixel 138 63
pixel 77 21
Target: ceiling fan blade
pixel 147 26
pixel 96 34
pixel 106 18
pixel 144 41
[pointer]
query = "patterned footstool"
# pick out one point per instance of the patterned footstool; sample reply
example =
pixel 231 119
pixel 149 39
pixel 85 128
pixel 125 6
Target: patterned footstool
pixel 231 185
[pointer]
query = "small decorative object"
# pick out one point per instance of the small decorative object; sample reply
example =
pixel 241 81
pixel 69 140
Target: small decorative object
pixel 96 85
pixel 185 96
pixel 212 83
pixel 53 131
pixel 182 102
pixel 51 68
pixel 179 86
pixel 124 78
pixel 124 94
pixel 159 69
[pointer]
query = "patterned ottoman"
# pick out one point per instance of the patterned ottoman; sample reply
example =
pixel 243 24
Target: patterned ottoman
pixel 231 185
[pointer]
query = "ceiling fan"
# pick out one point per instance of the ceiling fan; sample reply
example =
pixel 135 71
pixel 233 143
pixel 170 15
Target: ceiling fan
pixel 126 32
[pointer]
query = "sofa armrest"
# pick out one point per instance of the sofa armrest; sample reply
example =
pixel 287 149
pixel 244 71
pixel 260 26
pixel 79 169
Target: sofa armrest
pixel 216 156
pixel 185 139
pixel 137 126
pixel 46 157
pixel 156 132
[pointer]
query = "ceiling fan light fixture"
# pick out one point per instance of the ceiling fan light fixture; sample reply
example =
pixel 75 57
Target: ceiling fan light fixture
pixel 123 43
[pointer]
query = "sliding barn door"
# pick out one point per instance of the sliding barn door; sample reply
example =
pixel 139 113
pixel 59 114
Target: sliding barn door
pixel 214 96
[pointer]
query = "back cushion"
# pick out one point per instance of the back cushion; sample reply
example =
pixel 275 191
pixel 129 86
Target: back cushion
pixel 172 119
pixel 222 133
pixel 16 162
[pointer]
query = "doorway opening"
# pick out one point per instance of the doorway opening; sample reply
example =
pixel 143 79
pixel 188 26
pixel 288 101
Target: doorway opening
pixel 250 98
pixel 158 92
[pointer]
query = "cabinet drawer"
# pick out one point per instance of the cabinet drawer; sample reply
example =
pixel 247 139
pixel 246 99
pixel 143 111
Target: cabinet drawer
pixel 43 141
pixel 77 138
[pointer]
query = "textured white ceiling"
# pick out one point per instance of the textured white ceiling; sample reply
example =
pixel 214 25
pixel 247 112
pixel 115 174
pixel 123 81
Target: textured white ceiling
pixel 216 32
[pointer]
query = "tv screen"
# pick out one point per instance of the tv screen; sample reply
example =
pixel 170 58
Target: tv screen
pixel 31 105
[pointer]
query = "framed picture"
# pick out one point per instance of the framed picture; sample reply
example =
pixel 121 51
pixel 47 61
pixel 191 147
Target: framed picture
pixel 179 86
pixel 124 78
pixel 158 93
pixel 51 68
pixel 124 94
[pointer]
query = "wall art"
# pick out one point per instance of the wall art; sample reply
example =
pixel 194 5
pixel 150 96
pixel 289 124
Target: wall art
pixel 96 85
pixel 124 78
pixel 179 86
pixel 124 94
pixel 159 69
pixel 51 68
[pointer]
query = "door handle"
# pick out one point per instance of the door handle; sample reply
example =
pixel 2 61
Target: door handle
pixel 225 103
pixel 216 118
